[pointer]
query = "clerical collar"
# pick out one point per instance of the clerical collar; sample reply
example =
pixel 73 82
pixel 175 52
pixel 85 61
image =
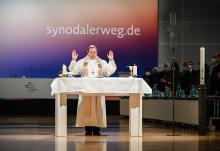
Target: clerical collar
pixel 93 59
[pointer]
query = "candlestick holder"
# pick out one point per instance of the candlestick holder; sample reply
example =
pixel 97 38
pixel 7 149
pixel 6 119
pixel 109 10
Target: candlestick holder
pixel 131 70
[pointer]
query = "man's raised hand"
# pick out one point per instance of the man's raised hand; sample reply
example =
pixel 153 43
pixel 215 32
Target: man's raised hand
pixel 74 55
pixel 110 55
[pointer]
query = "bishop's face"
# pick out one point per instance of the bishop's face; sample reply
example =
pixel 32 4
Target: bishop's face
pixel 92 53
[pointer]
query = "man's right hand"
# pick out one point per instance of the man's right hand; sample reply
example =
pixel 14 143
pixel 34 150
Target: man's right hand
pixel 74 55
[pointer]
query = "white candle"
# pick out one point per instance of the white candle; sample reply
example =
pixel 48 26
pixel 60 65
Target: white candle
pixel 202 65
pixel 64 69
pixel 134 70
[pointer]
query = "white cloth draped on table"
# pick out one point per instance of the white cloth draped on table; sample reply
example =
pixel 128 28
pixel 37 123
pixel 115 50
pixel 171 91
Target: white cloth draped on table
pixel 111 86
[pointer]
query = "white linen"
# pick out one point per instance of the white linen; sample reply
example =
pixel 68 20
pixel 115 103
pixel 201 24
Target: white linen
pixel 100 85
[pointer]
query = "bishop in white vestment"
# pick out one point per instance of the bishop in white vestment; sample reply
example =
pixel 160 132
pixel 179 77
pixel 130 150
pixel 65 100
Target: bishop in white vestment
pixel 91 111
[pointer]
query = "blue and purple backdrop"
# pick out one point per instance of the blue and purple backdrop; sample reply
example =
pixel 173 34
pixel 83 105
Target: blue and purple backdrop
pixel 37 37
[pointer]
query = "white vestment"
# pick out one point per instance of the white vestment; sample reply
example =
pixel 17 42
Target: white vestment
pixel 91 110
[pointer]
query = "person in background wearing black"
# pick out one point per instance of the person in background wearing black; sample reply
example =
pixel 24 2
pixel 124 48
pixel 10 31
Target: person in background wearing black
pixel 155 77
pixel 189 78
pixel 146 76
pixel 165 78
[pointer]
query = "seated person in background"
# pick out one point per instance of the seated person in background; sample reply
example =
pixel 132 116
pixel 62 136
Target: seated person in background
pixel 189 78
pixel 91 111
pixel 165 78
pixel 147 75
pixel 154 78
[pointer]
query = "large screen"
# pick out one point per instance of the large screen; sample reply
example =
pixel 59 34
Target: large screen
pixel 38 36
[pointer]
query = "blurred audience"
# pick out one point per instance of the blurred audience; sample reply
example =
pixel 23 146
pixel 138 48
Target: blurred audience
pixel 188 79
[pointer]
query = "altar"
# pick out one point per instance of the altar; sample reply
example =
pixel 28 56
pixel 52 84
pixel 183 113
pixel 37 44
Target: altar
pixel 135 88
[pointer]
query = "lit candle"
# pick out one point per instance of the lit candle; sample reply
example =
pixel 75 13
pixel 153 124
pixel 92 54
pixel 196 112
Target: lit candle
pixel 202 65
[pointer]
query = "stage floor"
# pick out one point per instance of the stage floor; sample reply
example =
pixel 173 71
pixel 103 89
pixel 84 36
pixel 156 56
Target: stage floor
pixel 33 133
